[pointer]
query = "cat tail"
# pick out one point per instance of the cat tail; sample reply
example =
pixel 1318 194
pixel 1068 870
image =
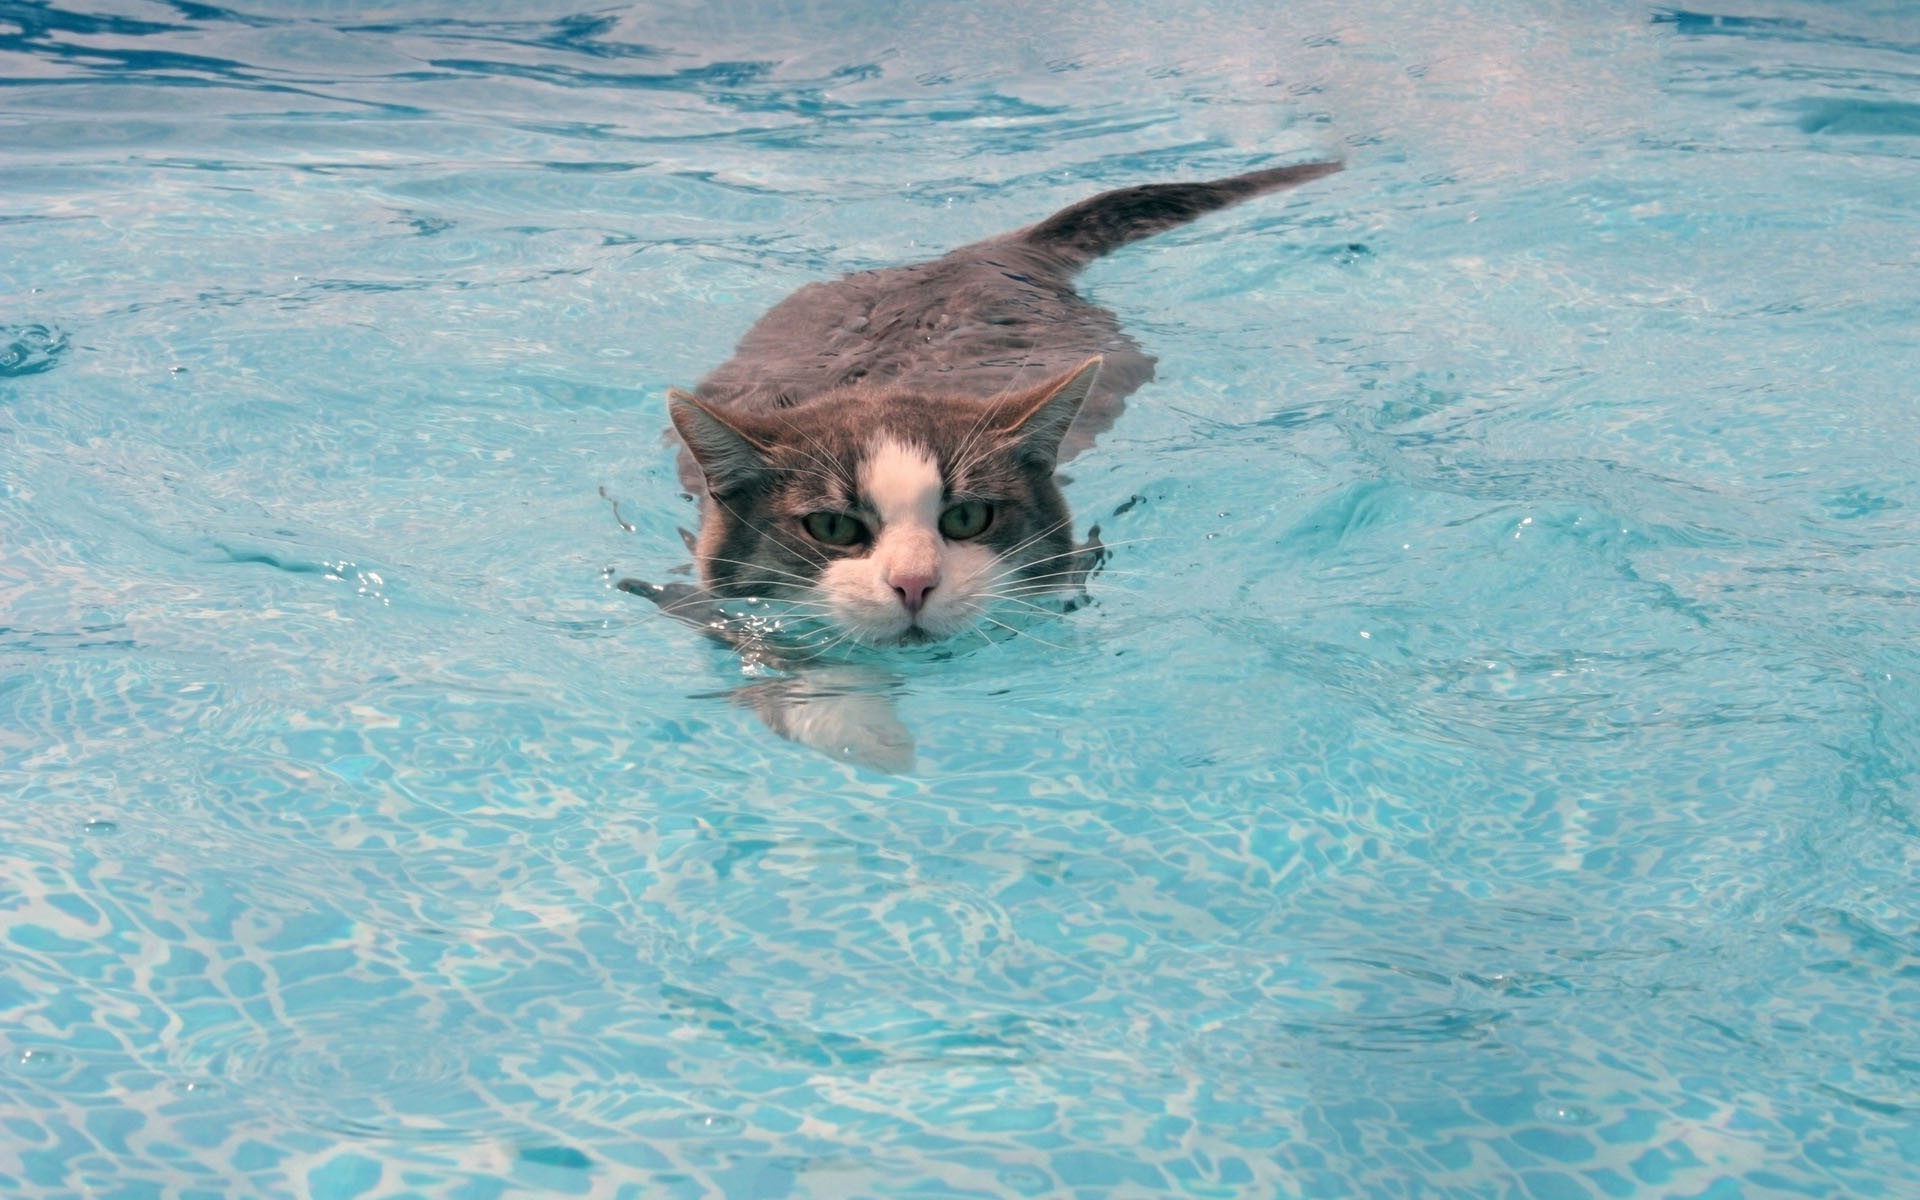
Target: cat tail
pixel 1101 224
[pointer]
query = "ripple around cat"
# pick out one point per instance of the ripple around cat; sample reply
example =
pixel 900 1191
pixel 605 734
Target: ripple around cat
pixel 339 1072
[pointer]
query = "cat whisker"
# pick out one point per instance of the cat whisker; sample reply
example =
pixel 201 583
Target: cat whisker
pixel 1025 633
pixel 727 508
pixel 767 572
pixel 1051 598
pixel 1075 572
pixel 1033 597
pixel 1103 544
pixel 1014 551
pixel 838 639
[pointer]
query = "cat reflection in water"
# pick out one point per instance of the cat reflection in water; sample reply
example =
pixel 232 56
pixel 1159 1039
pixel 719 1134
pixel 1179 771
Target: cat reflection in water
pixel 876 462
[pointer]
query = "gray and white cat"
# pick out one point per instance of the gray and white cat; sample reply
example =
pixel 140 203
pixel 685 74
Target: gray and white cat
pixel 878 455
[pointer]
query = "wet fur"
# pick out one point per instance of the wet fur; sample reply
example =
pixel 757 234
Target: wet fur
pixel 984 360
pixel 984 320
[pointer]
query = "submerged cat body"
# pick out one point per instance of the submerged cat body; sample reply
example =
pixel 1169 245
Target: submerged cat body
pixel 879 453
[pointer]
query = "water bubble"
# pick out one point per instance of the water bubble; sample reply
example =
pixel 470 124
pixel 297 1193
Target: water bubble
pixel 100 827
pixel 40 1061
pixel 714 1123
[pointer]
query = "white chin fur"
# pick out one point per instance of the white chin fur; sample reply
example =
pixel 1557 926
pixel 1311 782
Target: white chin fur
pixel 859 601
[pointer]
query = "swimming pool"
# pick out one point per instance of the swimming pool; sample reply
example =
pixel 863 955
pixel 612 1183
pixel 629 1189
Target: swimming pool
pixel 1488 767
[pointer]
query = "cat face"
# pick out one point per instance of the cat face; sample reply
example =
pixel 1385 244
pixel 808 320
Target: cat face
pixel 892 518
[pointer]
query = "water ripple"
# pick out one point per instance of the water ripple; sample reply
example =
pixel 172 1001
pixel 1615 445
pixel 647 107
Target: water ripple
pixel 358 1074
pixel 29 349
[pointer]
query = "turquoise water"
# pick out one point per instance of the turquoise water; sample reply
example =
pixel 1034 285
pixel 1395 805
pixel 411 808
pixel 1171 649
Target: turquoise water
pixel 1488 768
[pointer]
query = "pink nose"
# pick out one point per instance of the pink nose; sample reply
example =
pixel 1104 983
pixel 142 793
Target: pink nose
pixel 912 589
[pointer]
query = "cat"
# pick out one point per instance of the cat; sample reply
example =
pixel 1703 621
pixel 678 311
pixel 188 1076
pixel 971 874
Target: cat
pixel 877 460
pixel 877 455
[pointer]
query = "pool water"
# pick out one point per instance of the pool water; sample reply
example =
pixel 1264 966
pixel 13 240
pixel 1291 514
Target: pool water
pixel 1488 767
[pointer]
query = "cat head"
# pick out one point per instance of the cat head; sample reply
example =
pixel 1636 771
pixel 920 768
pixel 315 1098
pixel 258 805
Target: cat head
pixel 892 517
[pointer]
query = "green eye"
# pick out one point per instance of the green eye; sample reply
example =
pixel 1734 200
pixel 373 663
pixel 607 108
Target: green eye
pixel 834 528
pixel 967 519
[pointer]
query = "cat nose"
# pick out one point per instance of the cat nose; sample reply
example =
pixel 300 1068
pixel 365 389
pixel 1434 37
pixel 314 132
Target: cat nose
pixel 912 588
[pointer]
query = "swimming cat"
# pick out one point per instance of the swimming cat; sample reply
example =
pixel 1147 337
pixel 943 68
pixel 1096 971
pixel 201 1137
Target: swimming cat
pixel 878 455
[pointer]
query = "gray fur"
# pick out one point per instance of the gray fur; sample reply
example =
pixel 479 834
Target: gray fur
pixel 985 357
pixel 983 320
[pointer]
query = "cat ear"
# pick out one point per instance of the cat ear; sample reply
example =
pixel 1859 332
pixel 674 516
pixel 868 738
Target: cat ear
pixel 727 456
pixel 1038 419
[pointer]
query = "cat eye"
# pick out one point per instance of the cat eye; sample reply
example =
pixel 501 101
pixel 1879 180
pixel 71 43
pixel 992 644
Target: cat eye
pixel 834 528
pixel 967 519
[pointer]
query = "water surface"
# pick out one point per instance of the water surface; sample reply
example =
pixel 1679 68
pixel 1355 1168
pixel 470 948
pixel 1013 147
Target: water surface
pixel 1488 768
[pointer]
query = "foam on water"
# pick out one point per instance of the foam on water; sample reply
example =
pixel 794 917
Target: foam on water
pixel 1488 765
